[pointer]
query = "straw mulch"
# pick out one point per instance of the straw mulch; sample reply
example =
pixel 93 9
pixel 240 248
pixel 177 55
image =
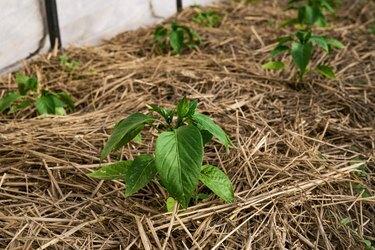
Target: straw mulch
pixel 302 165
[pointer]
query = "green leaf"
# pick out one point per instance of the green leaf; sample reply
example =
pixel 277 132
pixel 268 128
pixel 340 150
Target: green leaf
pixel 24 104
pixel 301 54
pixel 139 174
pixel 176 39
pixel 59 111
pixel 320 41
pixel 66 99
pixel 26 83
pixel 45 104
pixel 284 39
pixel 325 71
pixel 7 100
pixel 273 65
pixel 170 204
pixel 218 182
pixel 167 114
pixel 138 138
pixel 160 34
pixel 206 136
pixel 125 131
pixel 115 171
pixel 279 49
pixel 332 42
pixel 206 123
pixel 178 157
pixel 183 107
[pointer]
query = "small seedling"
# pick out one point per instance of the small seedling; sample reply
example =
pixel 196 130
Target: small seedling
pixel 175 38
pixel 311 12
pixel 67 63
pixel 207 18
pixel 301 47
pixel 178 158
pixel 29 94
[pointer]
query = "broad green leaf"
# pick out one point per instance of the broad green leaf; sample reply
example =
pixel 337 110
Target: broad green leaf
pixel 218 182
pixel 7 100
pixel 45 105
pixel 125 131
pixel 301 54
pixel 178 157
pixel 139 174
pixel 66 99
pixel 334 43
pixel 206 123
pixel 170 204
pixel 206 136
pixel 160 34
pixel 115 171
pixel 320 41
pixel 192 107
pixel 176 39
pixel 325 71
pixel 306 15
pixel 59 111
pixel 279 49
pixel 183 107
pixel 273 65
pixel 26 83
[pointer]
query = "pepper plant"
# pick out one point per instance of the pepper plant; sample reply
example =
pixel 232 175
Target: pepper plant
pixel 301 47
pixel 207 18
pixel 311 12
pixel 178 158
pixel 175 38
pixel 67 63
pixel 29 94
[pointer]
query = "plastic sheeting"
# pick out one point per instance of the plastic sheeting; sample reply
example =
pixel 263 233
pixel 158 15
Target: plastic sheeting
pixel 23 32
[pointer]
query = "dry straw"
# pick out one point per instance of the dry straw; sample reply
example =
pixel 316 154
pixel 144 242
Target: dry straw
pixel 294 164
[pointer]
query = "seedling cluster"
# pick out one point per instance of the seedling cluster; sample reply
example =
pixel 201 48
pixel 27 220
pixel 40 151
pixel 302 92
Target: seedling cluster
pixel 178 158
pixel 175 38
pixel 303 44
pixel 67 63
pixel 207 18
pixel 30 94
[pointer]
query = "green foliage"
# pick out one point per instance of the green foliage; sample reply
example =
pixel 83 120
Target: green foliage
pixel 274 65
pixel 67 63
pixel 369 245
pixel 29 94
pixel 215 179
pixel 175 38
pixel 301 47
pixel 207 18
pixel 115 171
pixel 178 156
pixel 311 12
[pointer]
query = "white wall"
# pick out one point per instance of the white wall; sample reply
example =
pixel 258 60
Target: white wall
pixel 82 22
